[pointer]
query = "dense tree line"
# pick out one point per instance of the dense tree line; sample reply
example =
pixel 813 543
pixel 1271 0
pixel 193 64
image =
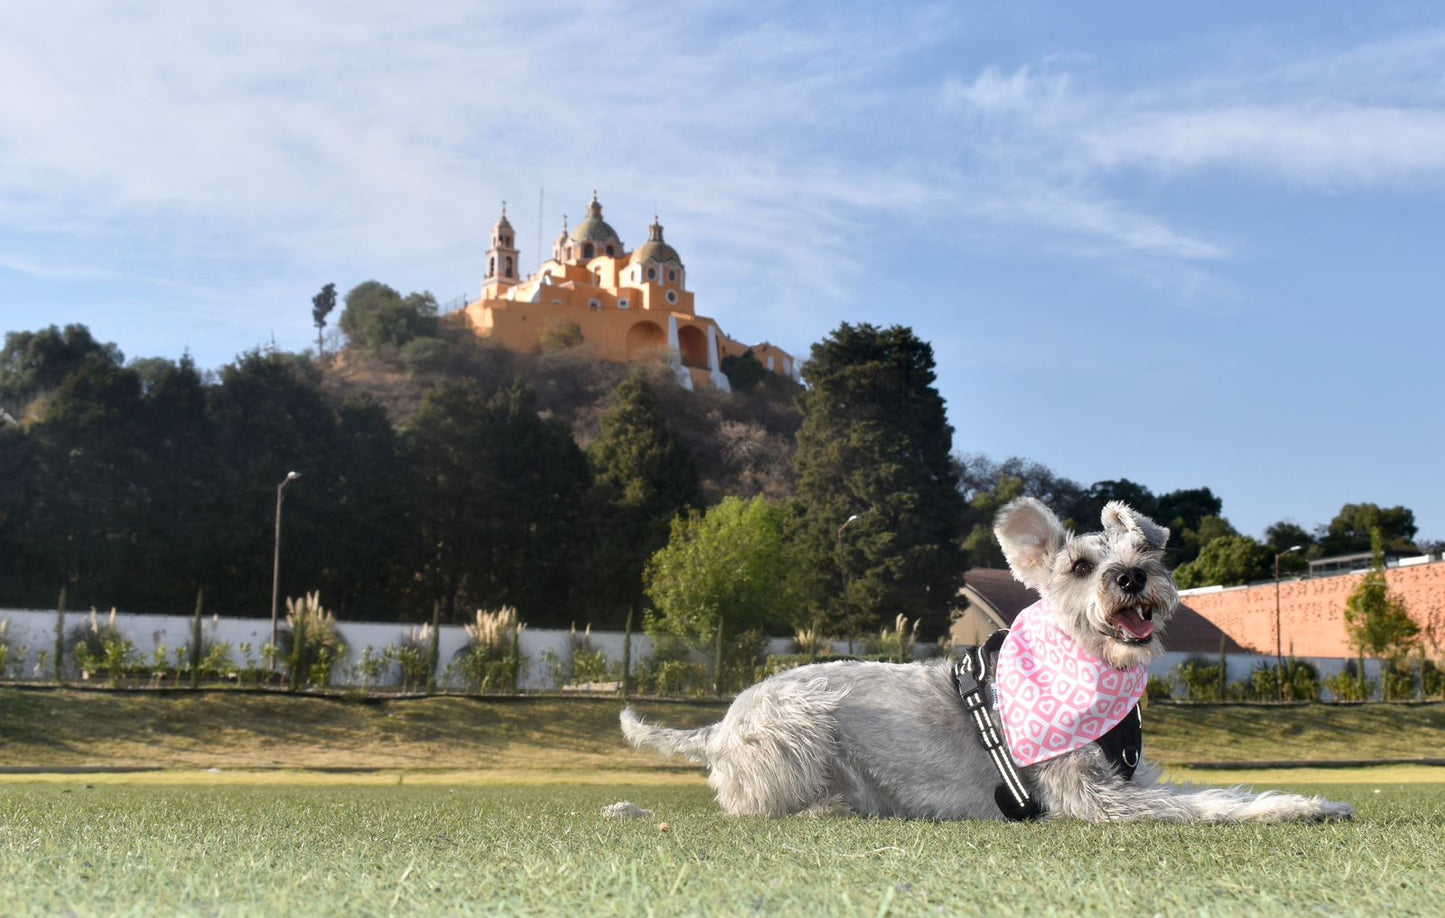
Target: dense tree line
pixel 1203 546
pixel 135 486
pixel 438 474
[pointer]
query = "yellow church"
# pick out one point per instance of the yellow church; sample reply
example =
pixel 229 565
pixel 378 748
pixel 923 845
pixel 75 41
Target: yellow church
pixel 626 305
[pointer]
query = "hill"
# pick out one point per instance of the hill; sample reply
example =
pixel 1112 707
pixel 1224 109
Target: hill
pixel 743 441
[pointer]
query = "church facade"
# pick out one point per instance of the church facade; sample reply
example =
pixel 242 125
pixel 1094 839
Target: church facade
pixel 622 305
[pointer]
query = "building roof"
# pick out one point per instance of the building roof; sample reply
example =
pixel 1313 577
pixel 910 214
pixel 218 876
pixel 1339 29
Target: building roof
pixel 654 249
pixel 594 228
pixel 1003 598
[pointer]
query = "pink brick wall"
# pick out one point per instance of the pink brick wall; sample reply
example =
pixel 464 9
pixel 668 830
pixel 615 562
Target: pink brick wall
pixel 1312 612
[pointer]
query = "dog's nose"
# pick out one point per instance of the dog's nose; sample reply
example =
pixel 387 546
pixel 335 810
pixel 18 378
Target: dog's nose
pixel 1131 579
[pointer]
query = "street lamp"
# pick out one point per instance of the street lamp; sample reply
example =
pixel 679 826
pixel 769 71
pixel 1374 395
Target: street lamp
pixel 276 560
pixel 847 606
pixel 1278 640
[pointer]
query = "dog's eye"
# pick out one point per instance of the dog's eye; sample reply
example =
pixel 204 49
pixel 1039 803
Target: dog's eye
pixel 1082 567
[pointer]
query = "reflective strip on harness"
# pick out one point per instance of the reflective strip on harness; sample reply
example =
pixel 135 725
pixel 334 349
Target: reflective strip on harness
pixel 970 676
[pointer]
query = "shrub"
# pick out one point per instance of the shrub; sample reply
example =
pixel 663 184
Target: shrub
pixel 1397 684
pixel 204 657
pixel 1432 681
pixel 1198 677
pixel 100 647
pixel 418 666
pixel 1351 684
pixel 492 659
pixel 12 657
pixel 372 665
pixel 588 663
pixel 897 643
pixel 1157 689
pixel 425 355
pixel 559 335
pixel 1301 682
pixel 311 642
pixel 811 642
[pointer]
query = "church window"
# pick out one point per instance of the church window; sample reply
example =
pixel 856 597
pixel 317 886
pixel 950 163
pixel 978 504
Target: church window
pixel 652 274
pixel 510 271
pixel 588 250
pixel 624 304
pixel 672 276
pixel 611 250
pixel 594 304
pixel 491 267
pixel 672 296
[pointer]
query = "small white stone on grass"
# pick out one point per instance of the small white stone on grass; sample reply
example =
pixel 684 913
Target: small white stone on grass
pixel 625 809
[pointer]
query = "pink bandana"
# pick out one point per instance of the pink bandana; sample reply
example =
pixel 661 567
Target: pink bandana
pixel 1053 698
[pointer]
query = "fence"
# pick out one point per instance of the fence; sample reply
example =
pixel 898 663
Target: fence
pixel 32 639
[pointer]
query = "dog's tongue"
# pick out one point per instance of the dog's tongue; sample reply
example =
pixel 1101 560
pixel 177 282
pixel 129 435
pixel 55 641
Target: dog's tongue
pixel 1135 624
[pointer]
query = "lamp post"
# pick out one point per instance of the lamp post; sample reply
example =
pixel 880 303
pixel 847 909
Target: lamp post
pixel 843 567
pixel 1278 639
pixel 276 560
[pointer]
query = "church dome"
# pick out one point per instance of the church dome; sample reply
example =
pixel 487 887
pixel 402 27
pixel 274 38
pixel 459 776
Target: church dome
pixel 654 249
pixel 594 229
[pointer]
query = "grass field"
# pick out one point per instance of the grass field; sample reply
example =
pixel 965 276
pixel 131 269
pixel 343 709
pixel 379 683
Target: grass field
pixel 228 729
pixel 467 806
pixel 69 848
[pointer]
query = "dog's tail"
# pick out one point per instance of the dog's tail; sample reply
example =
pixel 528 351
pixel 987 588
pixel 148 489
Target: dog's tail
pixel 691 744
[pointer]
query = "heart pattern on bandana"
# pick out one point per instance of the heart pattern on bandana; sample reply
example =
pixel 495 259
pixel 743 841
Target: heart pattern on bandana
pixel 1054 698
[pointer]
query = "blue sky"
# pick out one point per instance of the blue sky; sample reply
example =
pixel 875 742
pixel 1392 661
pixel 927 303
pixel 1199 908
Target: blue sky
pixel 1183 246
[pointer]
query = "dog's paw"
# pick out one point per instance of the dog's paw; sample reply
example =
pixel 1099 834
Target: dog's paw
pixel 1329 811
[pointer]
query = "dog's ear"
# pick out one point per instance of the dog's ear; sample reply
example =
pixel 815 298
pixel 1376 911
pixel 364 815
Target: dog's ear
pixel 1120 517
pixel 1030 536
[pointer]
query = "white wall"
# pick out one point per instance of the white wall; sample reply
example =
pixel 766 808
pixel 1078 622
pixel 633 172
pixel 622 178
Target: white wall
pixel 34 630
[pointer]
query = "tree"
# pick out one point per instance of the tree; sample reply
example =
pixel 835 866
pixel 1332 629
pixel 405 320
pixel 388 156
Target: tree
pixel 442 443
pixel 321 306
pixel 1352 529
pixel 532 521
pixel 1187 542
pixel 1284 535
pixel 643 476
pixel 496 496
pixel 33 363
pixel 875 443
pixel 745 372
pixel 1227 561
pixel 368 501
pixel 270 418
pixel 1376 620
pixel 987 485
pixel 91 494
pixel 729 568
pixel 380 320
pixel 1131 493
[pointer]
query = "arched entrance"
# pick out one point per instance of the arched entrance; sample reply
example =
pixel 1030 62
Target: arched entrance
pixel 692 342
pixel 645 336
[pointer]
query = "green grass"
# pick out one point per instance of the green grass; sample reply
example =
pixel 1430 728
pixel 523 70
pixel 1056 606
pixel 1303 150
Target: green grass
pixel 229 730
pixel 375 850
pixel 494 807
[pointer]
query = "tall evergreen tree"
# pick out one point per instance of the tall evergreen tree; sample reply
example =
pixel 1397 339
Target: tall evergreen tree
pixel 496 495
pixel 875 445
pixel 369 499
pixel 321 306
pixel 270 418
pixel 643 475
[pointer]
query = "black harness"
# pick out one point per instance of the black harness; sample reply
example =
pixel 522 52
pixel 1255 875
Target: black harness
pixel 973 677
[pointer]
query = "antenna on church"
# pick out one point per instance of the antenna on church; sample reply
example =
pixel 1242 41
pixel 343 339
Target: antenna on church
pixel 541 199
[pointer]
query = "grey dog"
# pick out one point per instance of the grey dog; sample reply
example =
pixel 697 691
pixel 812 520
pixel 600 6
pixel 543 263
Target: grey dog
pixel 879 739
